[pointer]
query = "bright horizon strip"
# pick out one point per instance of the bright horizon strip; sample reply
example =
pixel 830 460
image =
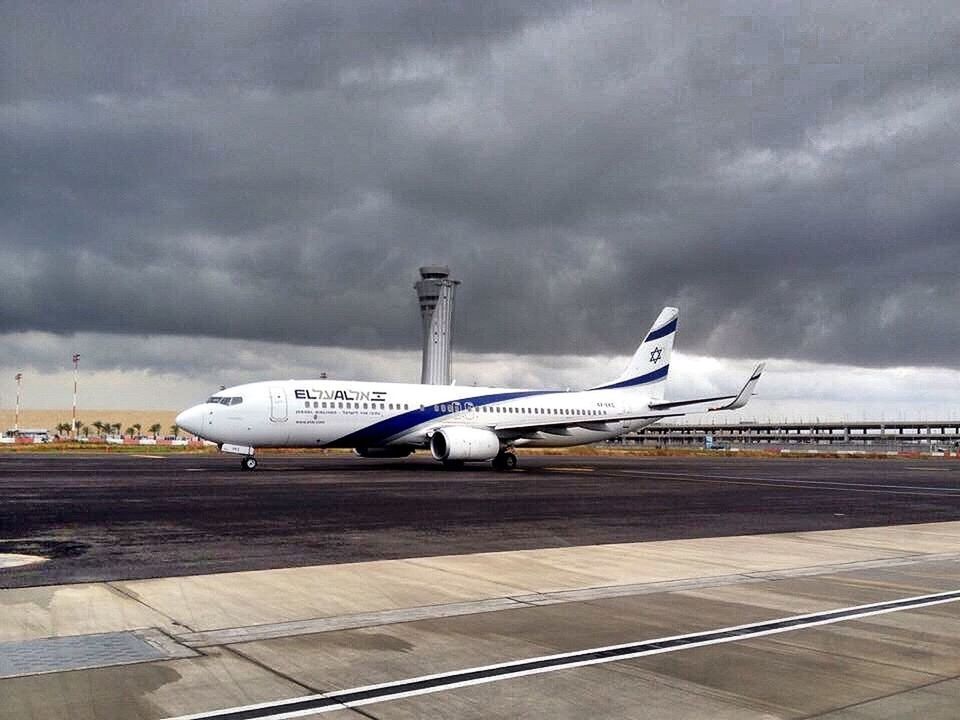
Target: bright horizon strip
pixel 340 699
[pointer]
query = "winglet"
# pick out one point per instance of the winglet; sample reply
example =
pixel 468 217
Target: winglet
pixel 743 397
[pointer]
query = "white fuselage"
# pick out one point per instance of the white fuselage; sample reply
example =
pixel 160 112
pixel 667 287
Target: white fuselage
pixel 327 413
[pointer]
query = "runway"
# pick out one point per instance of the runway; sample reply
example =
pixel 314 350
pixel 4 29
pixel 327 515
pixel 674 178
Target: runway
pixel 108 517
pixel 579 587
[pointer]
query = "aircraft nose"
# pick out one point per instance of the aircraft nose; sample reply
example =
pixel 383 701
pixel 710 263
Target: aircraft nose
pixel 191 419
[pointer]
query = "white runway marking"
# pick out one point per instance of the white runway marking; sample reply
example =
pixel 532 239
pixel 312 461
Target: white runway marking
pixel 370 694
pixel 149 457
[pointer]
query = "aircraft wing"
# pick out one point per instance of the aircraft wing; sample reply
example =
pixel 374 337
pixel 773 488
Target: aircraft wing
pixel 735 401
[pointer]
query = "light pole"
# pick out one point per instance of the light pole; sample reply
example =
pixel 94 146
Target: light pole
pixel 76 363
pixel 16 422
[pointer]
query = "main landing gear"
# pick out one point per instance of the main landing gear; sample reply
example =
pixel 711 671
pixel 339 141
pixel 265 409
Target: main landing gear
pixel 249 463
pixel 506 460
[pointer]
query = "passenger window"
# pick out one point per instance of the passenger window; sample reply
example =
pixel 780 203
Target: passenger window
pixel 340 405
pixel 406 407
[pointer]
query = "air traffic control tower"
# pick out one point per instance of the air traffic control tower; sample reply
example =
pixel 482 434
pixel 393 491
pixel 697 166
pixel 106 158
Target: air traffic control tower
pixel 436 291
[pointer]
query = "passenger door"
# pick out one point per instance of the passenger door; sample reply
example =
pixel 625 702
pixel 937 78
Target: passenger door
pixel 278 404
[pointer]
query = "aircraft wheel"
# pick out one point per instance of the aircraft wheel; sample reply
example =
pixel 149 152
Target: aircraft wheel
pixel 249 463
pixel 505 461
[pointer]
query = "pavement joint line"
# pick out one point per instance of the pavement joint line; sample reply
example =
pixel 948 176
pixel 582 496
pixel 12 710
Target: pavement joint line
pixel 273 671
pixel 128 595
pixel 814 481
pixel 526 601
pixel 422 563
pixel 441 682
pixel 798 483
pixel 785 640
pixel 354 621
pixel 850 706
pixel 852 566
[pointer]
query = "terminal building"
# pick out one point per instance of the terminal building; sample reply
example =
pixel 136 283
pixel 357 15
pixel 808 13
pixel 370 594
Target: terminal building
pixel 922 435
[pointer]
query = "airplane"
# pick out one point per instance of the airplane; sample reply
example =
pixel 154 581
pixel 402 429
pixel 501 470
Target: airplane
pixel 457 424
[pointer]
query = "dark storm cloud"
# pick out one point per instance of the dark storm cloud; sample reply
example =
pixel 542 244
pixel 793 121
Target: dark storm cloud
pixel 787 173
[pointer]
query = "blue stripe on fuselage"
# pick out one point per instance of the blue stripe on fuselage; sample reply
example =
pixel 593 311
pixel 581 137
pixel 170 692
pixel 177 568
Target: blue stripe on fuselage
pixel 662 332
pixel 382 432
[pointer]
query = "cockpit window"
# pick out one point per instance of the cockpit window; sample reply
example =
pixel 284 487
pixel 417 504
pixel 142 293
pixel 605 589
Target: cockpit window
pixel 218 400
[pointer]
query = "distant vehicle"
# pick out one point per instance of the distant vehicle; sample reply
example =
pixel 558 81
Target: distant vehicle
pixel 35 434
pixel 457 423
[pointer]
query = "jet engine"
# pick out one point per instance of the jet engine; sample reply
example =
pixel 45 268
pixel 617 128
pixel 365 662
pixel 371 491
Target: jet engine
pixel 395 451
pixel 464 443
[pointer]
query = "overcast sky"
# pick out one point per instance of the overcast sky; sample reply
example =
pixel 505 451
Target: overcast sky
pixel 202 193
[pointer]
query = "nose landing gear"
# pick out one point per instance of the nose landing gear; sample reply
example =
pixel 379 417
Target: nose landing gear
pixel 249 462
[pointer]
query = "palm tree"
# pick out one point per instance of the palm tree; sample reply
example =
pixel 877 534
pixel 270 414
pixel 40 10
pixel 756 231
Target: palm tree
pixel 100 427
pixel 63 428
pixel 85 430
pixel 129 432
pixel 155 429
pixel 175 430
pixel 137 427
pixel 115 428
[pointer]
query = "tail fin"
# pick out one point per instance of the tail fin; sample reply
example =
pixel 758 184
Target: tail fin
pixel 651 362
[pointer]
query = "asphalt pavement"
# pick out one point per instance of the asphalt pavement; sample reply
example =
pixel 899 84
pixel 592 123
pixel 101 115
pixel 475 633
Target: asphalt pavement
pixel 112 517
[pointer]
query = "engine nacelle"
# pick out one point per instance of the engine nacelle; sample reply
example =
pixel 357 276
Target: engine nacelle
pixel 395 451
pixel 464 443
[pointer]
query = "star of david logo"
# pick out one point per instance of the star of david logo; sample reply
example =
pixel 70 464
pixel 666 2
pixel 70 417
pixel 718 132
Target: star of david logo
pixel 655 355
